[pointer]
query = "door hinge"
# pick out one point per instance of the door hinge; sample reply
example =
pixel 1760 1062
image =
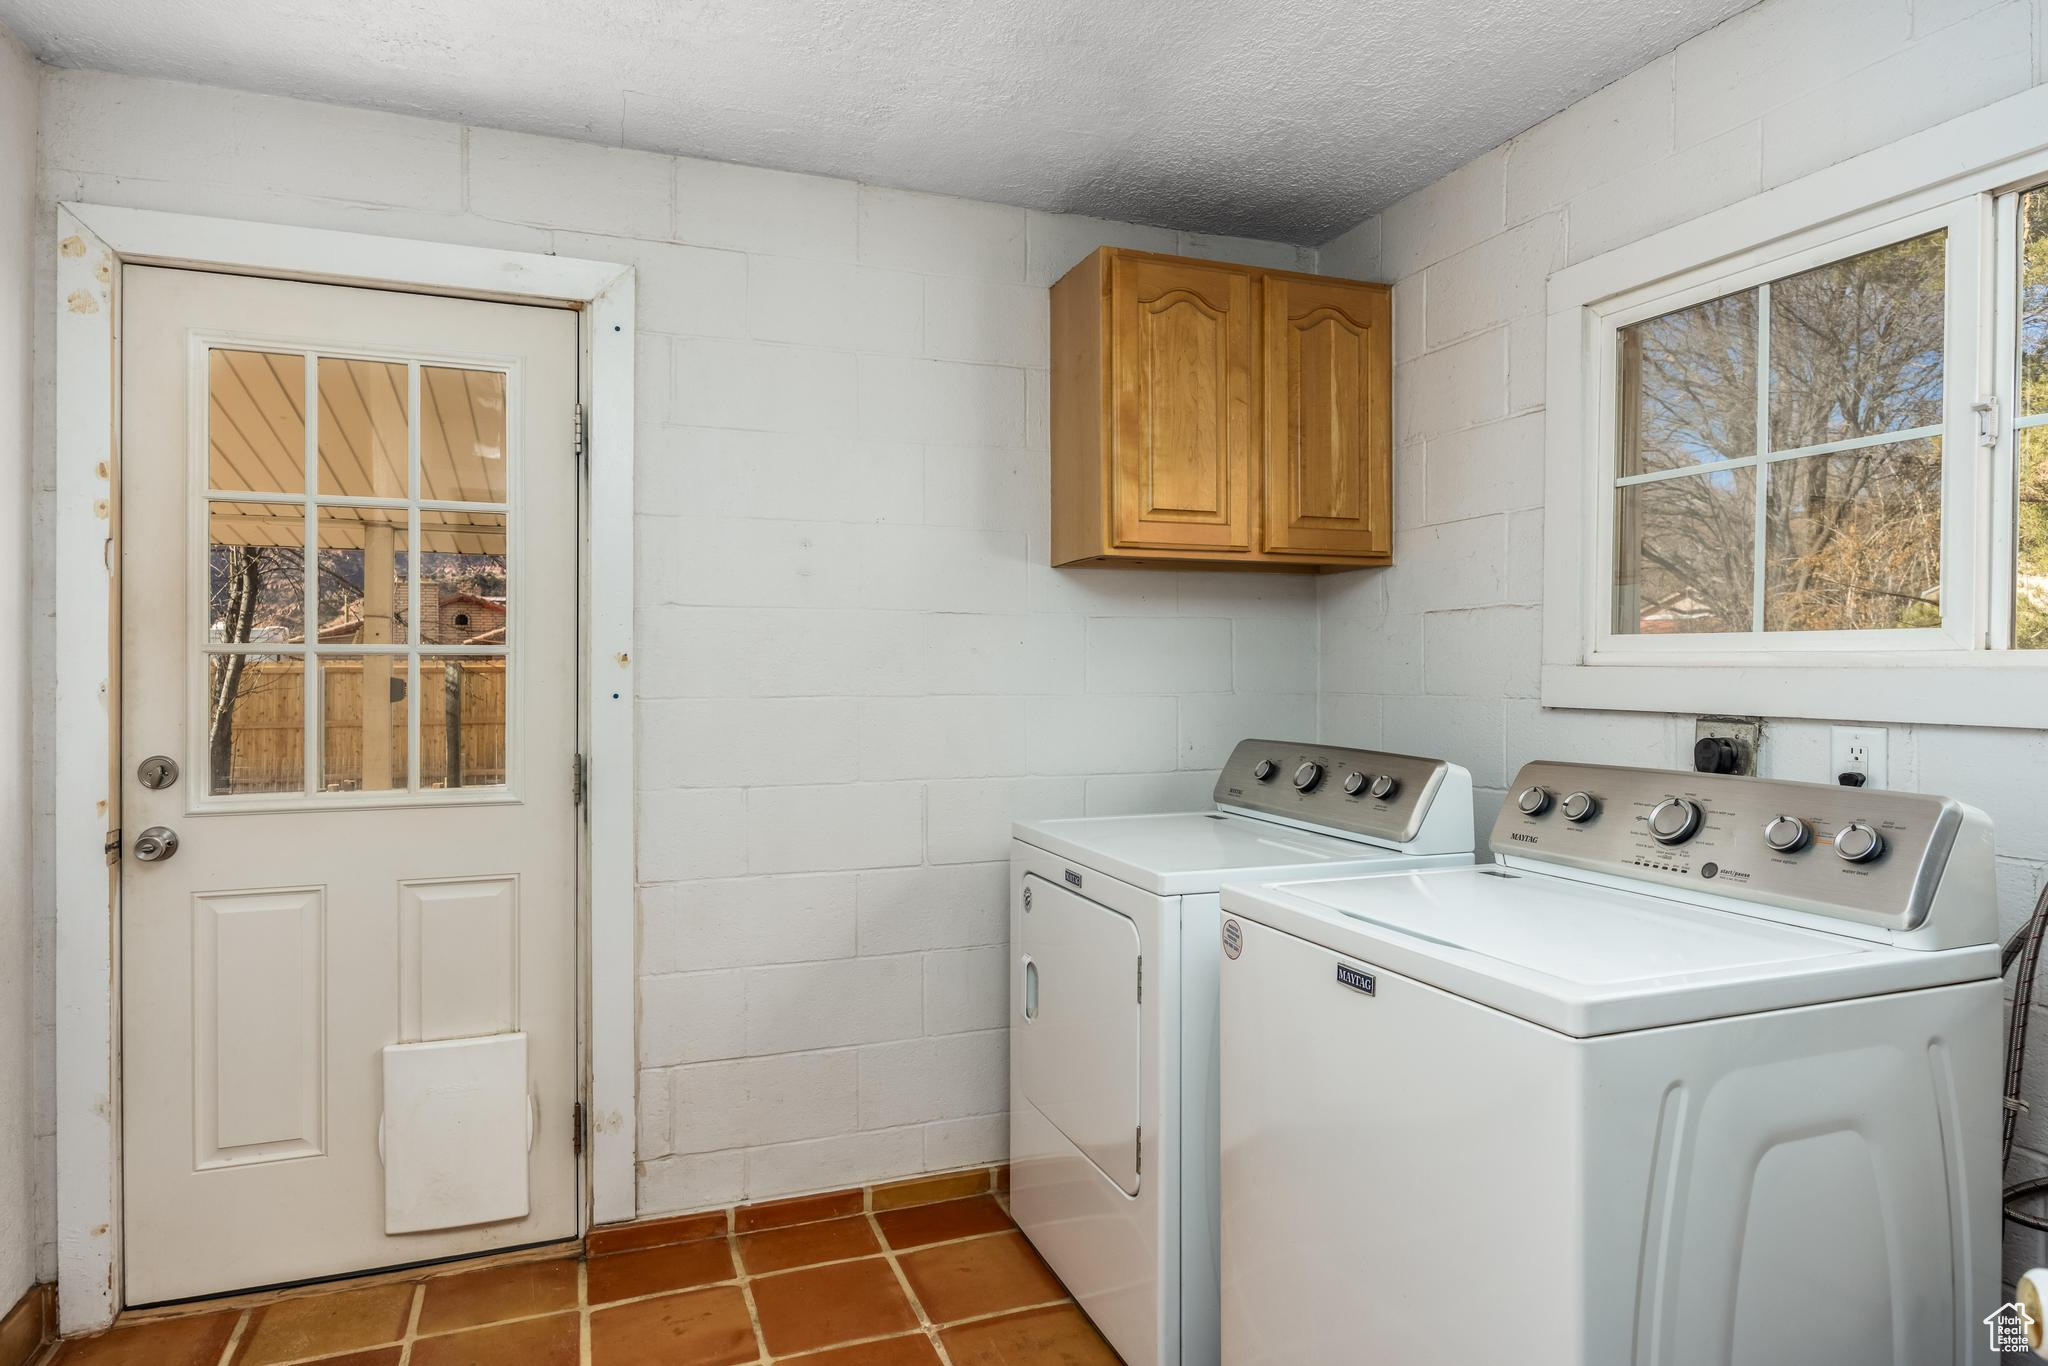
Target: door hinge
pixel 582 437
pixel 1139 1166
pixel 113 846
pixel 579 779
pixel 1141 981
pixel 576 1127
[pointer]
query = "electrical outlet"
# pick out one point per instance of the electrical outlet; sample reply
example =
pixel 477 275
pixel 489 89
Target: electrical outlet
pixel 1854 750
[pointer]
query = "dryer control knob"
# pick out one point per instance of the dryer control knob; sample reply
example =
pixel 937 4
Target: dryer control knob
pixel 1385 786
pixel 1580 807
pixel 1264 770
pixel 1355 782
pixel 1858 843
pixel 1307 776
pixel 1674 820
pixel 1533 801
pixel 1786 834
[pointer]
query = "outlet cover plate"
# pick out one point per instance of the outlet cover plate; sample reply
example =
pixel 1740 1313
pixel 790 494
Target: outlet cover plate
pixel 1859 749
pixel 1746 731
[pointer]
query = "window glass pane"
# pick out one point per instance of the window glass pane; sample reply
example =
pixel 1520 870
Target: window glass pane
pixel 363 725
pixel 2034 302
pixel 462 435
pixel 255 572
pixel 255 724
pixel 362 585
pixel 462 578
pixel 362 429
pixel 1684 558
pixel 1854 540
pixel 256 422
pixel 1688 386
pixel 2030 573
pixel 1856 346
pixel 462 721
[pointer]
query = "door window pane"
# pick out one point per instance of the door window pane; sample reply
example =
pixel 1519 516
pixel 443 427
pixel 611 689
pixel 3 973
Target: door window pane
pixel 255 720
pixel 1854 540
pixel 462 721
pixel 1685 554
pixel 1856 346
pixel 256 422
pixel 362 587
pixel 462 435
pixel 255 573
pixel 1688 386
pixel 462 578
pixel 2033 312
pixel 363 723
pixel 362 431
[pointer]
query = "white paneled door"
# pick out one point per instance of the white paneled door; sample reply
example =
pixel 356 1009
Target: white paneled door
pixel 348 732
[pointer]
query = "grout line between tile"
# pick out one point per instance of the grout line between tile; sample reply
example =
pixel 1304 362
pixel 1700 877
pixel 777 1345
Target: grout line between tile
pixel 931 1330
pixel 412 1323
pixel 583 1348
pixel 227 1353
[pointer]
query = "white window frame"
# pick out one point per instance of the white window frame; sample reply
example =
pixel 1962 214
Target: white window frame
pixel 1948 177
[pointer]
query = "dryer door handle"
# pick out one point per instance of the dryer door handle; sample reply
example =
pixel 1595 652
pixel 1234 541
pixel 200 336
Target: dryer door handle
pixel 1030 987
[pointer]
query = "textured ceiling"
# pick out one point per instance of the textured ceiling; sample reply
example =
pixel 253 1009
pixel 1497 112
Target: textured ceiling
pixel 1287 119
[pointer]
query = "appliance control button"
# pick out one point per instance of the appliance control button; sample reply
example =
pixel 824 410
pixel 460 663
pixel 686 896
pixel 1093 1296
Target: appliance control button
pixel 1264 770
pixel 1786 834
pixel 1580 807
pixel 1385 786
pixel 1858 843
pixel 1307 776
pixel 1674 820
pixel 1356 782
pixel 1533 801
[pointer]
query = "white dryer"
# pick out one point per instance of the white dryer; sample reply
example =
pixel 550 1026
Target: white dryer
pixel 1704 1070
pixel 1113 936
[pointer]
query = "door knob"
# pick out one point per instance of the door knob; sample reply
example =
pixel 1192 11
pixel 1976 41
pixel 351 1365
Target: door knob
pixel 155 844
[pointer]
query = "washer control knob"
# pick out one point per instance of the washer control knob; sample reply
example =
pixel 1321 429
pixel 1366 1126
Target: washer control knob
pixel 1533 801
pixel 1786 834
pixel 1307 776
pixel 1858 843
pixel 1355 783
pixel 1674 820
pixel 1385 786
pixel 1580 807
pixel 1264 770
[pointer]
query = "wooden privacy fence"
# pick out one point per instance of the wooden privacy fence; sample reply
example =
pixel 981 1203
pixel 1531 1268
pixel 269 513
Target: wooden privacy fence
pixel 269 725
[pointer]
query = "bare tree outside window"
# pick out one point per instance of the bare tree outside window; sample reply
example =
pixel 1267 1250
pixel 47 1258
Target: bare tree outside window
pixel 1779 462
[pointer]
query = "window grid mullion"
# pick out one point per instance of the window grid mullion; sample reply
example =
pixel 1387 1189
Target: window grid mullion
pixel 315 726
pixel 1761 480
pixel 413 559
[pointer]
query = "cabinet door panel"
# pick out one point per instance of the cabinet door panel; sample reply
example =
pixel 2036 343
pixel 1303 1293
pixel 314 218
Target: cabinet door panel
pixel 1328 469
pixel 1184 350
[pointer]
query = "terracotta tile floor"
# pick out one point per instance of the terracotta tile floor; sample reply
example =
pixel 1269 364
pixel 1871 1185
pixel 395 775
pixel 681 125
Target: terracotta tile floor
pixel 812 1281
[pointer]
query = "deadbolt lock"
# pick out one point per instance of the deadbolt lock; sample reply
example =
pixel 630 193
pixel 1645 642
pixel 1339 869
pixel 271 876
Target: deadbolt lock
pixel 156 844
pixel 157 772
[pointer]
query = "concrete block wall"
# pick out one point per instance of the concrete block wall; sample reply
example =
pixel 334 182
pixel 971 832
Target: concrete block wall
pixel 855 666
pixel 1439 653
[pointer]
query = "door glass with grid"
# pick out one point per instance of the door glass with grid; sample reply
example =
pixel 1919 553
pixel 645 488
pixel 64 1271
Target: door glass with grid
pixel 1779 453
pixel 394 635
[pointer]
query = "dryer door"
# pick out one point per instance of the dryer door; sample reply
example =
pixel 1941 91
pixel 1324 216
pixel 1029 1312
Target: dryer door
pixel 1077 1046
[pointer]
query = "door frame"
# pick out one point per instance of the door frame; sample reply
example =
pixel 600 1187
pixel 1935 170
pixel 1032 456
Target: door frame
pixel 93 242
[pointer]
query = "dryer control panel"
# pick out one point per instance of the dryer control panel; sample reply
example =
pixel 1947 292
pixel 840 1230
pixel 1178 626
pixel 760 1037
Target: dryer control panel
pixel 1851 853
pixel 1328 787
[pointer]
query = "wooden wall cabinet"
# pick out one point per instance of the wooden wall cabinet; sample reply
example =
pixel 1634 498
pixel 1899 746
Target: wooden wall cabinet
pixel 1213 414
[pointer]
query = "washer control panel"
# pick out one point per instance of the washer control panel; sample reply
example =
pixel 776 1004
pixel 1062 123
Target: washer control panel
pixel 1358 791
pixel 1849 852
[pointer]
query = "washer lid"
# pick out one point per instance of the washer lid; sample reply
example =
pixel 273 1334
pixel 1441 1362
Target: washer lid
pixel 1192 852
pixel 1586 960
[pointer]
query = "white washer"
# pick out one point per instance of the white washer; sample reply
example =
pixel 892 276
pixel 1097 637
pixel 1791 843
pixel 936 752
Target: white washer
pixel 1706 1070
pixel 1113 935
